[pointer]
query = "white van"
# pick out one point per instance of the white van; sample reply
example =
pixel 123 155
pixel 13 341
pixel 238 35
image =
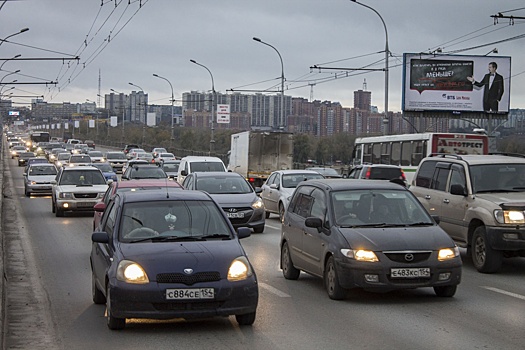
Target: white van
pixel 193 164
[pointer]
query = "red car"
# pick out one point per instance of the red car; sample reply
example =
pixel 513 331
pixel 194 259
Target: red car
pixel 130 185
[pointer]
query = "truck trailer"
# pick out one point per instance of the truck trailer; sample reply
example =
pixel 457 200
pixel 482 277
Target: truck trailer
pixel 255 154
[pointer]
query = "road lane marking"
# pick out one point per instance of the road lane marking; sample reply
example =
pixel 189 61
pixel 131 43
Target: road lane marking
pixel 501 291
pixel 274 290
pixel 275 228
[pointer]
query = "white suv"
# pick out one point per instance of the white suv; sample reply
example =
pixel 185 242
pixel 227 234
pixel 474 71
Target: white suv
pixel 480 202
pixel 77 189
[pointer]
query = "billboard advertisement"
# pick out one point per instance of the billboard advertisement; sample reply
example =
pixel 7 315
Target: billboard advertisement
pixel 223 114
pixel 456 83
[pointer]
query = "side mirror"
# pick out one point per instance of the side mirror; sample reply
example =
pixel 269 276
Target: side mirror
pixel 99 207
pixel 313 222
pixel 458 190
pixel 184 173
pixel 243 232
pixel 109 182
pixel 274 186
pixel 100 237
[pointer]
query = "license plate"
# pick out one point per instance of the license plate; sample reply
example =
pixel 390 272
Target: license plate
pixel 85 204
pixel 193 293
pixel 410 272
pixel 234 215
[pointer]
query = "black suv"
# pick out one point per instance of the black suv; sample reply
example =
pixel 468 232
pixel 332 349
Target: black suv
pixel 377 172
pixel 480 202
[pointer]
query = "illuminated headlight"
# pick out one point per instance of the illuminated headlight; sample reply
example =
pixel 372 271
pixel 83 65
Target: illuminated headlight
pixel 102 160
pixel 28 144
pixel 509 216
pixel 33 183
pixel 360 255
pixel 258 204
pixel 59 164
pixel 131 272
pixel 65 195
pixel 448 253
pixel 13 152
pixel 39 149
pixel 239 269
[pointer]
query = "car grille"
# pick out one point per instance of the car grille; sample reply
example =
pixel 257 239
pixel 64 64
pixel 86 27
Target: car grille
pixel 85 195
pixel 409 280
pixel 188 280
pixel 186 305
pixel 400 257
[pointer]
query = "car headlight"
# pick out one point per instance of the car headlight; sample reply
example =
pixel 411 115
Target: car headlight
pixel 360 255
pixel 102 160
pixel 258 204
pixel 39 149
pixel 448 253
pixel 101 195
pixel 59 164
pixel 509 216
pixel 65 195
pixel 239 269
pixel 131 272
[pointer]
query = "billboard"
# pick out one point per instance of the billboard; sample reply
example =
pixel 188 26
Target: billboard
pixel 223 114
pixel 456 83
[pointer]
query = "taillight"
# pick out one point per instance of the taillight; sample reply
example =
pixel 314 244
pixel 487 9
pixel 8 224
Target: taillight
pixel 251 179
pixel 403 177
pixel 368 173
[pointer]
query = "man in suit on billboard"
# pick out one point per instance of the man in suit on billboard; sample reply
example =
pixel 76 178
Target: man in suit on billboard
pixel 493 88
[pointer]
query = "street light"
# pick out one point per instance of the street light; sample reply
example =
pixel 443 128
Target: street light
pixel 7 37
pixel 494 50
pixel 8 74
pixel 145 114
pixel 9 59
pixel 172 100
pixel 212 141
pixel 387 53
pixel 281 117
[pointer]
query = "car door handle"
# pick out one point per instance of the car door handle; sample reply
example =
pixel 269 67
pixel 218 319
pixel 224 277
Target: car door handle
pixel 446 201
pixel 427 196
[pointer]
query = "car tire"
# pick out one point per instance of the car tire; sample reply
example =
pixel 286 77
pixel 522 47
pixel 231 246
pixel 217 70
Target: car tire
pixel 114 323
pixel 290 272
pixel 246 319
pixel 27 193
pixel 59 212
pixel 281 212
pixel 258 229
pixel 484 258
pixel 445 291
pixel 267 214
pixel 98 296
pixel 331 281
pixel 53 208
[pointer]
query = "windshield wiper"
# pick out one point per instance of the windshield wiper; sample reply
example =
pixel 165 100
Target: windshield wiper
pixel 421 224
pixel 169 239
pixel 85 185
pixel 218 235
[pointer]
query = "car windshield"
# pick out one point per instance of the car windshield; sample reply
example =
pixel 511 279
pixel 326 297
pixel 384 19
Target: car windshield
pixel 167 155
pixel 63 156
pixel 206 166
pixel 147 172
pixel 497 177
pixel 385 173
pixel 170 167
pixel 82 177
pixel 115 155
pixel 378 207
pixel 223 185
pixel 95 154
pixel 42 170
pixel 292 180
pixel 79 159
pixel 163 221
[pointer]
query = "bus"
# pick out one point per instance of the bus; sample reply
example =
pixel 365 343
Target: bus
pixel 407 150
pixel 37 137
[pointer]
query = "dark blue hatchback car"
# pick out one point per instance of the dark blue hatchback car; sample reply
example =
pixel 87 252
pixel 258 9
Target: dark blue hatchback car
pixel 170 255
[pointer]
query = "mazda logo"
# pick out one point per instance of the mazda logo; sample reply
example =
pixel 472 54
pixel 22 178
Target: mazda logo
pixel 409 257
pixel 188 271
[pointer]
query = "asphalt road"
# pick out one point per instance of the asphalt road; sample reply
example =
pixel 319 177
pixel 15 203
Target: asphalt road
pixel 48 299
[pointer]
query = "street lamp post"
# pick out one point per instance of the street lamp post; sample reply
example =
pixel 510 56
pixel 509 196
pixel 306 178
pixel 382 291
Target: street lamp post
pixel 212 141
pixel 8 74
pixel 145 114
pixel 172 101
pixel 281 117
pixel 7 37
pixel 9 59
pixel 387 54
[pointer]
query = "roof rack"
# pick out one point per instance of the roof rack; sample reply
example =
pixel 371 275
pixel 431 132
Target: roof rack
pixel 445 155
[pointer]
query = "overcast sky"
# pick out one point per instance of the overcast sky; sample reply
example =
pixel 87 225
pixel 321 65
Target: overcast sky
pixel 130 42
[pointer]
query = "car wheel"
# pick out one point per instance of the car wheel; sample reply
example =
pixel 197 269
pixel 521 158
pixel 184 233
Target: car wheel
pixel 331 281
pixel 258 229
pixel 485 259
pixel 53 208
pixel 289 271
pixel 246 319
pixel 98 296
pixel 281 212
pixel 445 291
pixel 59 212
pixel 27 193
pixel 267 214
pixel 114 323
